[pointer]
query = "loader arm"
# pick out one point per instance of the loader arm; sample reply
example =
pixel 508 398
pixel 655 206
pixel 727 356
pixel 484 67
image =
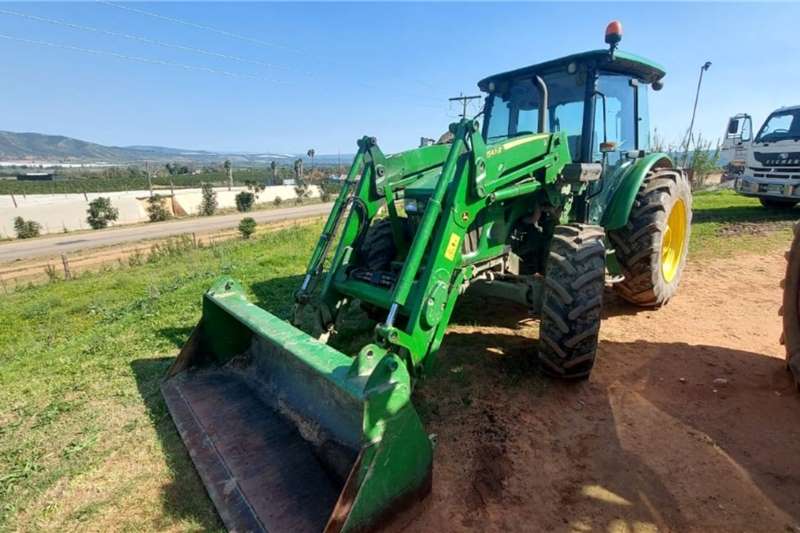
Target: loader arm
pixel 473 184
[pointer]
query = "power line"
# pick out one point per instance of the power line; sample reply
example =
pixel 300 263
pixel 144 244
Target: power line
pixel 246 39
pixel 137 59
pixel 142 39
pixel 201 27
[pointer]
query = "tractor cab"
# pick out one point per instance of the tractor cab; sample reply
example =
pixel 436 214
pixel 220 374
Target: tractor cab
pixel 598 98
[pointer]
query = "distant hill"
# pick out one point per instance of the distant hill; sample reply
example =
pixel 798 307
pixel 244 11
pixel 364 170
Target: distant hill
pixel 41 148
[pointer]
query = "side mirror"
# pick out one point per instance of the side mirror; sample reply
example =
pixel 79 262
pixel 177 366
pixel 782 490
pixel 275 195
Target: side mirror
pixel 658 85
pixel 607 147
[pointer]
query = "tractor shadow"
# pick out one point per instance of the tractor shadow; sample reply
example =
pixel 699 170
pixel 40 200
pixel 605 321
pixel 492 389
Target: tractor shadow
pixel 650 438
pixel 184 497
pixel 479 310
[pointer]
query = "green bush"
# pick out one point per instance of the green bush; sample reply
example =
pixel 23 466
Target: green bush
pixel 277 201
pixel 26 229
pixel 209 204
pixel 156 211
pixel 247 227
pixel 101 212
pixel 245 201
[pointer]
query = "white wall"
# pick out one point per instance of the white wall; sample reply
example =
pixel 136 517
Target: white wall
pixel 58 211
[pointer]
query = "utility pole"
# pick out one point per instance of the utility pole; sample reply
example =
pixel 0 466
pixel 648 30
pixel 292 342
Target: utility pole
pixel 464 101
pixel 688 141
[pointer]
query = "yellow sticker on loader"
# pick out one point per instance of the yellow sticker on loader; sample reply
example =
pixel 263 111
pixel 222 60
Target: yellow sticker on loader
pixel 452 247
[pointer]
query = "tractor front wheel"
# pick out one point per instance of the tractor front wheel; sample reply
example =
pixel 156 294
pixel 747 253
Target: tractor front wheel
pixel 652 246
pixel 572 300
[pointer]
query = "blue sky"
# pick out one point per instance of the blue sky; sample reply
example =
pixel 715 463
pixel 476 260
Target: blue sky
pixel 345 70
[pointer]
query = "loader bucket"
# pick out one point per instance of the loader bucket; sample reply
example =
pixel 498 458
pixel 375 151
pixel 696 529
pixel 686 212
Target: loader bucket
pixel 287 433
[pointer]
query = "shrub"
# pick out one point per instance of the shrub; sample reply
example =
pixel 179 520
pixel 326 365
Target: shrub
pixel 704 161
pixel 26 229
pixel 101 212
pixel 325 196
pixel 52 273
pixel 247 227
pixel 277 201
pixel 245 201
pixel 156 211
pixel 209 204
pixel 301 192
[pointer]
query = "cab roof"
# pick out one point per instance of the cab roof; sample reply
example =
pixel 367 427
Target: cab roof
pixel 623 63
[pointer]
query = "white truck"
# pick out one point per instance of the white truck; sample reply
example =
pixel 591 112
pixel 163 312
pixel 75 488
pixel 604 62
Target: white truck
pixel 735 144
pixel 772 169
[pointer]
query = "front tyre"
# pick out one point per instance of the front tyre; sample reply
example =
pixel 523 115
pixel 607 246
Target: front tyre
pixel 572 301
pixel 652 246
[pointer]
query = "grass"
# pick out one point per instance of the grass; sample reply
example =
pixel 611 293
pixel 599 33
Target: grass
pixel 726 223
pixel 85 439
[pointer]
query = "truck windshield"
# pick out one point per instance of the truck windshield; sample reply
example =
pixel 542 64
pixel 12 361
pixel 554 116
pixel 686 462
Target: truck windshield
pixel 780 126
pixel 515 109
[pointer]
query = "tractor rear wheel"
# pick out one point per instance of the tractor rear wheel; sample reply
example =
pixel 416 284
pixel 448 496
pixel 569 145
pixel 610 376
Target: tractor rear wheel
pixel 572 300
pixel 790 310
pixel 377 250
pixel 652 246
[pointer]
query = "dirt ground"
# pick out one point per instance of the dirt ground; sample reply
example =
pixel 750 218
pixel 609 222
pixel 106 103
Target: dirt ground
pixel 689 421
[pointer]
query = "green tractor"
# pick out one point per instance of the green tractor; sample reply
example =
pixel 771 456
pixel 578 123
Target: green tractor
pixel 545 199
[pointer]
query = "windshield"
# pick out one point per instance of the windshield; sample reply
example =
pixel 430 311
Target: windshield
pixel 780 126
pixel 514 109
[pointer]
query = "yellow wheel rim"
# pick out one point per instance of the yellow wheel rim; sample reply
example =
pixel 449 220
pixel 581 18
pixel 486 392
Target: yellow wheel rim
pixel 673 242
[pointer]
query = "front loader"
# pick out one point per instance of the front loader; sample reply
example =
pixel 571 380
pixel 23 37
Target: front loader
pixel 552 195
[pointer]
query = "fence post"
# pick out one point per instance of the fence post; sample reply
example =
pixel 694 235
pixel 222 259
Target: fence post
pixel 194 240
pixel 13 199
pixel 67 274
pixel 5 289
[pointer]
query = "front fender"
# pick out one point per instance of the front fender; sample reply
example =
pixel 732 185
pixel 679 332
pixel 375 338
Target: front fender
pixel 622 192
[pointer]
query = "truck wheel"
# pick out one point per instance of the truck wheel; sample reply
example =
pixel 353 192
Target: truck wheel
pixel 572 300
pixel 652 246
pixel 790 310
pixel 777 203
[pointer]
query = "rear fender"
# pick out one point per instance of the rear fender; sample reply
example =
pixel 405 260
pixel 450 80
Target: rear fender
pixel 622 191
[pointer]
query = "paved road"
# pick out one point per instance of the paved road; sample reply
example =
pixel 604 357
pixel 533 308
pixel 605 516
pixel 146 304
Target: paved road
pixel 58 244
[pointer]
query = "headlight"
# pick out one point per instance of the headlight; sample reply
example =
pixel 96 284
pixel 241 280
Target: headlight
pixel 411 206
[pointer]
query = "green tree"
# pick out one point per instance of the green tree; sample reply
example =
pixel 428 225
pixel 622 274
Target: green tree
pixel 156 210
pixel 245 201
pixel 26 229
pixel 247 227
pixel 311 153
pixel 229 171
pixel 277 201
pixel 101 212
pixel 273 165
pixel 298 170
pixel 208 206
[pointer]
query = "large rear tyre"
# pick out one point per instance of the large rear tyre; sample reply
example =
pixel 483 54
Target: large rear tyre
pixel 572 301
pixel 776 203
pixel 652 246
pixel 377 250
pixel 791 308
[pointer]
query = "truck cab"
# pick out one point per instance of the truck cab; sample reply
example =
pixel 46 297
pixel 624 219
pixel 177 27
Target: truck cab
pixel 736 143
pixel 772 171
